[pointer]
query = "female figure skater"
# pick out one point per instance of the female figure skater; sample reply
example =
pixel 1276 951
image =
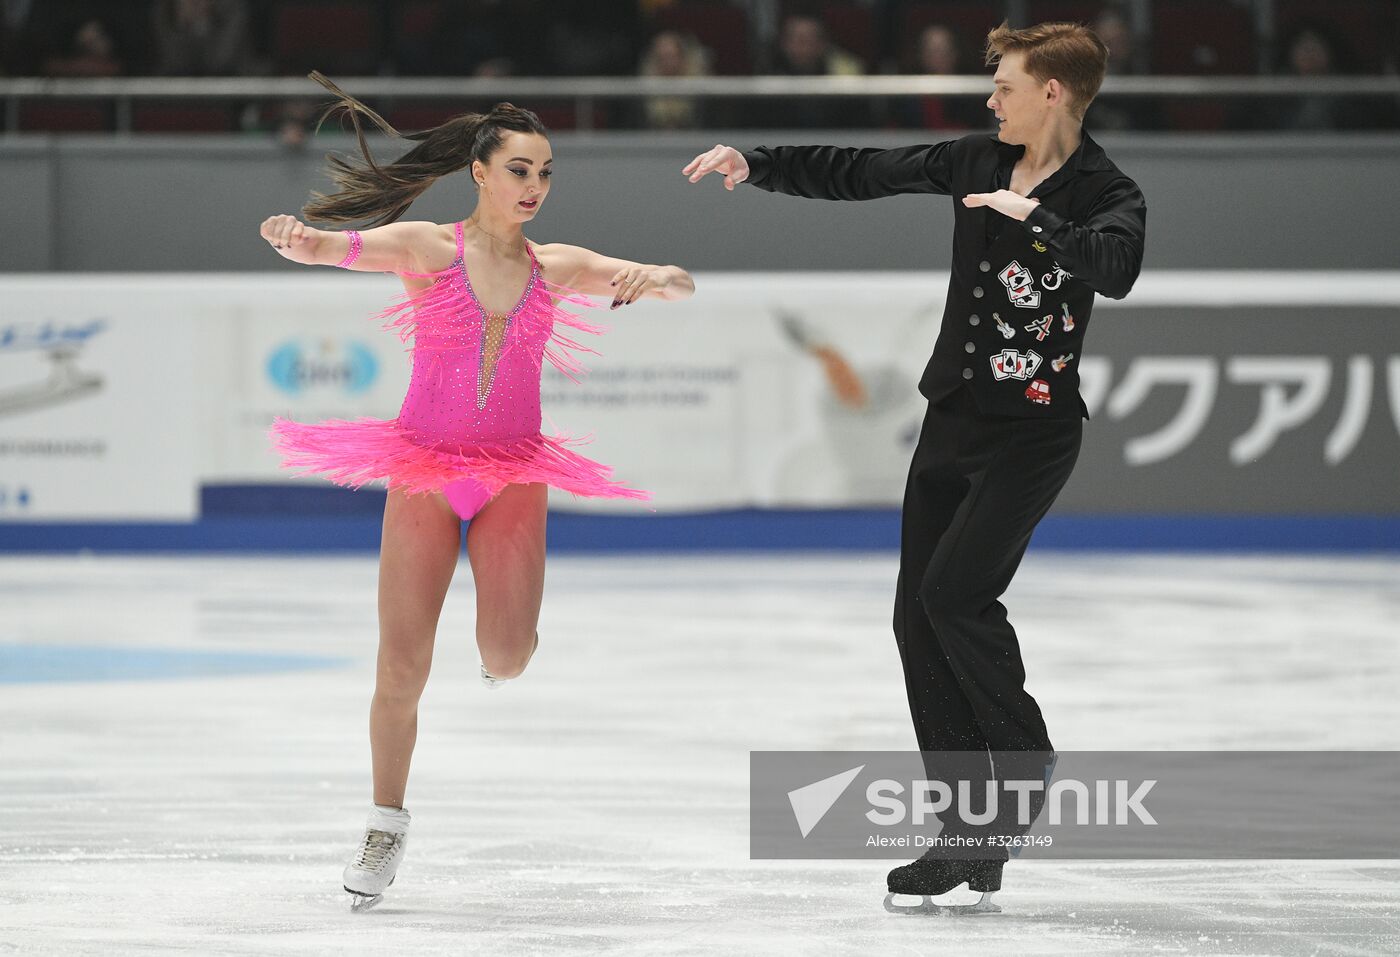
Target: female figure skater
pixel 466 446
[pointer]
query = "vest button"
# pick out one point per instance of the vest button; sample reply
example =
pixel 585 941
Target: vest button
pixel 973 319
pixel 967 373
pixel 969 347
pixel 977 292
pixel 984 266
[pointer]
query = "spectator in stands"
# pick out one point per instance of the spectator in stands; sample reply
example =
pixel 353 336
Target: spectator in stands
pixel 1311 52
pixel 495 67
pixel 939 53
pixel 17 36
pixel 90 50
pixel 675 54
pixel 1123 112
pixel 33 32
pixel 804 49
pixel 1311 49
pixel 292 122
pixel 201 37
pixel 460 37
pixel 588 38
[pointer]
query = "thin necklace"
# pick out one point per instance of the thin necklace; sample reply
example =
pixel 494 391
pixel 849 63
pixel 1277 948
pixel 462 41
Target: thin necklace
pixel 509 248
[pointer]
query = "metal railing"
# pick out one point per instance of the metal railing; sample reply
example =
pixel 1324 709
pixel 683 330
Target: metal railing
pixel 585 92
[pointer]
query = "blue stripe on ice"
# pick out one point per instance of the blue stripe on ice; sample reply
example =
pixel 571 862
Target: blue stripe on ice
pixel 25 664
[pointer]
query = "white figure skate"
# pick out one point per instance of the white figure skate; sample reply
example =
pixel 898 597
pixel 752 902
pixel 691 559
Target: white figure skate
pixel 372 869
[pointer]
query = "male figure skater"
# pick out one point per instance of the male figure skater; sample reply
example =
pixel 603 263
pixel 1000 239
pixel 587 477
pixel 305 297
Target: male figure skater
pixel 1042 221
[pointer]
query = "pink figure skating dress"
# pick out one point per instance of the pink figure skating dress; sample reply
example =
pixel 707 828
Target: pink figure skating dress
pixel 470 424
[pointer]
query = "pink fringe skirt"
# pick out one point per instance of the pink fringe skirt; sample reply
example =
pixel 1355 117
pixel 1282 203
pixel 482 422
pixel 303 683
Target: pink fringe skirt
pixel 354 452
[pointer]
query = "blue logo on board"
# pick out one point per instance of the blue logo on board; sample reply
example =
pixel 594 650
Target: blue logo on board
pixel 348 367
pixel 14 497
pixel 64 381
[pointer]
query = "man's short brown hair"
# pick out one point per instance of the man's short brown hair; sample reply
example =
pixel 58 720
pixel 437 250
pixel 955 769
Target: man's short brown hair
pixel 1068 52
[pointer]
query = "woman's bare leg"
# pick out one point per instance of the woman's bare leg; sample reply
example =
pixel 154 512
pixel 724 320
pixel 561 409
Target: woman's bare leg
pixel 417 556
pixel 505 542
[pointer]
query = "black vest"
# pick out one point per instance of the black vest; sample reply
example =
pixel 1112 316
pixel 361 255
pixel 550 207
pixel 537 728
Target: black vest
pixel 1013 331
pixel 1014 322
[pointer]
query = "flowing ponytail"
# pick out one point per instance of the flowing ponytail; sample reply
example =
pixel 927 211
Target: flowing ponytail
pixel 372 195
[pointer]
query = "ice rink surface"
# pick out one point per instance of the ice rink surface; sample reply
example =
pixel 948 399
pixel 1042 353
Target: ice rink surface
pixel 197 779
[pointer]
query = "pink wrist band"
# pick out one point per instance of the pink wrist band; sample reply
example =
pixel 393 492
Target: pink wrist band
pixel 356 244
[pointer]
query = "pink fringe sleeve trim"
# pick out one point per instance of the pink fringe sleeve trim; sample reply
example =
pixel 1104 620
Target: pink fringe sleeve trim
pixel 444 309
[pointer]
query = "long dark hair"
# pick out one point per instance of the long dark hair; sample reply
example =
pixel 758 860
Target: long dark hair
pixel 371 194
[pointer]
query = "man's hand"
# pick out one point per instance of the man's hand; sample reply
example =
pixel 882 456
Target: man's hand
pixel 721 159
pixel 1003 201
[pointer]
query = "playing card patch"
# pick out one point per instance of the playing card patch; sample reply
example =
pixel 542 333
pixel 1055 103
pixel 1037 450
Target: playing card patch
pixel 1013 364
pixel 1020 285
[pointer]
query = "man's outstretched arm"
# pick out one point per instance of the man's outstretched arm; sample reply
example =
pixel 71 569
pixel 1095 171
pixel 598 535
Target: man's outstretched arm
pixel 830 172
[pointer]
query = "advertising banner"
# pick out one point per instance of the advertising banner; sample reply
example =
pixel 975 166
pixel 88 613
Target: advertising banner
pixel 307 352
pixel 98 418
pixel 1210 393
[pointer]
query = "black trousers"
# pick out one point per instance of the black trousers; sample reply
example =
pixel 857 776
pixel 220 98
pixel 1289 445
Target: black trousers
pixel 978 486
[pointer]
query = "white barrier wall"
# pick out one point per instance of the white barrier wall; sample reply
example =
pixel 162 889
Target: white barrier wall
pixel 99 381
pixel 1225 392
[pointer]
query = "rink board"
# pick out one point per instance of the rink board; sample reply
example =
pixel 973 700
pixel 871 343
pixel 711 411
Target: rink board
pixel 1222 404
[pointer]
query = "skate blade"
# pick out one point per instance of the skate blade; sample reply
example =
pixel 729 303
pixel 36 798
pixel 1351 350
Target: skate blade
pixel 363 902
pixel 927 906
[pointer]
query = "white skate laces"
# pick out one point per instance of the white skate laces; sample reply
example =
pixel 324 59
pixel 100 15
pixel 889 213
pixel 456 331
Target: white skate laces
pixel 376 861
pixel 375 852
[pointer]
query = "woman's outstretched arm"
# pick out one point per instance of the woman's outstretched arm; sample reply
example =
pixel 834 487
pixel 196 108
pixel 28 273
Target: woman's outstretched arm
pixel 391 248
pixel 598 275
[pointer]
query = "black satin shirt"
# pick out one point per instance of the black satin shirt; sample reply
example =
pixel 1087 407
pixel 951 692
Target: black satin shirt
pixel 1021 294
